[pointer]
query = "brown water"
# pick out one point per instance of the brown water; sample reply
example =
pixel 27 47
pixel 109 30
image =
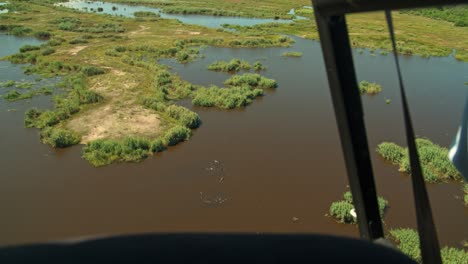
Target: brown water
pixel 277 159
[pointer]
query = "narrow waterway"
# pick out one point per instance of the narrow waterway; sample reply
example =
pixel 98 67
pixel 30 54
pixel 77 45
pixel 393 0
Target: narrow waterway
pixel 201 20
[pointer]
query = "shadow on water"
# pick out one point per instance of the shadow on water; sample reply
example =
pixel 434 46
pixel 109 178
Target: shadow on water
pixel 280 158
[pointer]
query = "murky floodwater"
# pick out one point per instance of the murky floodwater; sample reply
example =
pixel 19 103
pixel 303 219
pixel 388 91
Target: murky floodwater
pixel 277 159
pixel 201 20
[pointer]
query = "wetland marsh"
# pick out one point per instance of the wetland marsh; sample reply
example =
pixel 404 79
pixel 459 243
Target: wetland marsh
pixel 270 158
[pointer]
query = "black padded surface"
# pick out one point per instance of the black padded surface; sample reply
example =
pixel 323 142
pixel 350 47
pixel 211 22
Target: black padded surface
pixel 206 248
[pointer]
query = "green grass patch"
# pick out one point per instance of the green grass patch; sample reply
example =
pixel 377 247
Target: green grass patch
pixel 292 54
pixel 13 95
pixel 226 98
pixel 145 14
pixel 106 151
pixel 258 66
pixel 252 80
pixel 340 210
pixel 407 241
pixel 434 160
pixel 183 116
pixel 233 65
pixel 458 15
pixel 91 70
pixel 59 137
pixel 371 88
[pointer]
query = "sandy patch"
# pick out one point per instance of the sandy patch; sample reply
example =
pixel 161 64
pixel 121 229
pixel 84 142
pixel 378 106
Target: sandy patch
pixel 108 122
pixel 76 49
pixel 142 28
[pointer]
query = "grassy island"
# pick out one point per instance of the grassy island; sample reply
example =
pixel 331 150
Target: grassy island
pixel 340 210
pixel 434 160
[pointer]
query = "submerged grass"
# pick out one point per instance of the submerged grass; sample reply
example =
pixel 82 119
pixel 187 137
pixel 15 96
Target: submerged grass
pixel 407 241
pixel 233 65
pixel 434 160
pixel 371 88
pixel 292 54
pixel 14 95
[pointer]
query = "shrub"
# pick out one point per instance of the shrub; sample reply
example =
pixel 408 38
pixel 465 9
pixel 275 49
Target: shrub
pixel 408 242
pixel 252 80
pixel 59 138
pixel 157 146
pixel 42 35
pixel 120 49
pixel 184 116
pixel 12 95
pixel 234 65
pixel 30 117
pixel 106 151
pixel 145 14
pixel 391 152
pixel 91 70
pixel 47 51
pixel 78 41
pixel 19 30
pixel 292 54
pixel 176 134
pixel 258 66
pixel 8 83
pixel 27 48
pixel 434 160
pixel 366 87
pixel 341 211
pixel 226 98
pixel 182 57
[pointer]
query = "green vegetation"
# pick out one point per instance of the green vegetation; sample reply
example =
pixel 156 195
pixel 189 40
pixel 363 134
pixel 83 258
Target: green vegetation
pixel 234 65
pixel 122 81
pixel 91 70
pixel 408 242
pixel 366 87
pixel 13 95
pixel 458 15
pixel 184 116
pixel 226 98
pixel 9 83
pixel 145 14
pixel 27 48
pixel 176 134
pixel 244 8
pixel 252 80
pixel 106 151
pixel 261 42
pixel 292 54
pixel 434 160
pixel 43 35
pixel 65 107
pixel 258 66
pixel 199 11
pixel 340 210
pixel 59 137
